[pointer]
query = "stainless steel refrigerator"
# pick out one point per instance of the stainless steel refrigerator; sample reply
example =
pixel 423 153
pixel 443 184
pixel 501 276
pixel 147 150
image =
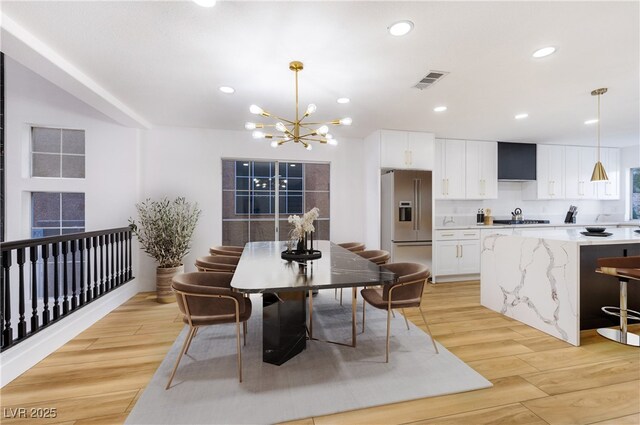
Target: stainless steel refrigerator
pixel 406 216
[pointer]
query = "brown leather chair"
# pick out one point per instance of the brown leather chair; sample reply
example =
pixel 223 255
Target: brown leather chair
pixel 204 298
pixel 227 250
pixel 353 246
pixel 405 293
pixel 217 263
pixel 377 256
pixel 625 269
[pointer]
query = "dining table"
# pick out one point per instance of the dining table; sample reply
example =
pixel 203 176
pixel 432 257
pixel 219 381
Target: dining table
pixel 288 287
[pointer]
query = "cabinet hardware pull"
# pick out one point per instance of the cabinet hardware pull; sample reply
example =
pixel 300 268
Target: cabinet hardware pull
pixel 447 234
pixel 444 185
pixel 461 251
pixel 457 251
pixel 469 234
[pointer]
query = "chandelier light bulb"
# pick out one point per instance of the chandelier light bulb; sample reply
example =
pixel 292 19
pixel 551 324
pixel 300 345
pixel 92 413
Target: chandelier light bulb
pixel 250 126
pixel 274 144
pixel 255 109
pixel 281 127
pixel 311 109
pixel 258 134
pixel 309 147
pixel 346 121
pixel 332 142
pixel 322 130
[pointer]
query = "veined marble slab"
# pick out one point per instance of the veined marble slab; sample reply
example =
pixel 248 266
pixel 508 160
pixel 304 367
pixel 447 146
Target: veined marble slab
pixel 533 276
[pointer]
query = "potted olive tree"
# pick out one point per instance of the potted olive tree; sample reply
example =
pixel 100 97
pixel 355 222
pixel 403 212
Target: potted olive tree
pixel 164 229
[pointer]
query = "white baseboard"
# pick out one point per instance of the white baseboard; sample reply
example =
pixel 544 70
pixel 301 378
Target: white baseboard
pixel 17 360
pixel 454 278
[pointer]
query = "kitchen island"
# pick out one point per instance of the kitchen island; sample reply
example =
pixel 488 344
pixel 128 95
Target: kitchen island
pixel 547 280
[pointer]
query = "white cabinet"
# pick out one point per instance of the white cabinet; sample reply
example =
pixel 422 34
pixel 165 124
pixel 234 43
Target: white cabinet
pixel 406 150
pixel 550 172
pixel 449 170
pixel 579 162
pixel 481 159
pixel 610 158
pixel 456 252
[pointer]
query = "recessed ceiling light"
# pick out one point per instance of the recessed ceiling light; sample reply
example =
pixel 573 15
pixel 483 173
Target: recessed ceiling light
pixel 521 116
pixel 545 51
pixel 440 108
pixel 401 28
pixel 227 89
pixel 591 121
pixel 205 3
pixel 343 100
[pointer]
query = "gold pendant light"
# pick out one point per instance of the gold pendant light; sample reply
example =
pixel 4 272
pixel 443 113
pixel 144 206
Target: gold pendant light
pixel 599 174
pixel 295 130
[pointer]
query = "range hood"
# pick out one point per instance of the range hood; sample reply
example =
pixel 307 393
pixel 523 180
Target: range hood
pixel 516 161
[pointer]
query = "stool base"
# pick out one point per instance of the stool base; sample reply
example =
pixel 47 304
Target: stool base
pixel 617 336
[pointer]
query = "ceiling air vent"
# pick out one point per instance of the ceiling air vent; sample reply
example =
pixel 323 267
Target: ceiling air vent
pixel 431 78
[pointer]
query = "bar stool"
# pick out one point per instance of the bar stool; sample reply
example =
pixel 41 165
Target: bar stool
pixel 625 269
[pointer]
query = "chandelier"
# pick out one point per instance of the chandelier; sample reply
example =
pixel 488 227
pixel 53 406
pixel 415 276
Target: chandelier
pixel 298 130
pixel 599 174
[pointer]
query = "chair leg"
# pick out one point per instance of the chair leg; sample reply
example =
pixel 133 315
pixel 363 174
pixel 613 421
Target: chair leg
pixel 405 318
pixel 239 352
pixel 244 332
pixel 428 330
pixel 388 332
pixel 187 341
pixel 195 332
pixel 393 314
pixel 364 307
pixel 340 296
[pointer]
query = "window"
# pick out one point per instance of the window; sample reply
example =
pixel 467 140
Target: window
pixel 56 213
pixel 635 193
pixel 250 198
pixel 57 153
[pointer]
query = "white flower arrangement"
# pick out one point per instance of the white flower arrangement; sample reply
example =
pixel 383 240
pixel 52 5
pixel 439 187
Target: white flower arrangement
pixel 304 224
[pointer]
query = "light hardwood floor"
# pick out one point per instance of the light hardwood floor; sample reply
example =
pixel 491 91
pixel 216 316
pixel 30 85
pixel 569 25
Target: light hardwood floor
pixel 97 377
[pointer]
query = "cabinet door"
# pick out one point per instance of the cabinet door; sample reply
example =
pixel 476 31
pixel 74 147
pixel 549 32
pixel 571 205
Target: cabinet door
pixel 421 150
pixel 572 175
pixel 469 256
pixel 587 155
pixel 610 189
pixel 447 253
pixel 550 170
pixel 439 183
pixel 454 169
pixel 394 151
pixel 489 171
pixel 473 170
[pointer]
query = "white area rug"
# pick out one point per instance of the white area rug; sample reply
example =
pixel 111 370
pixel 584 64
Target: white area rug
pixel 323 379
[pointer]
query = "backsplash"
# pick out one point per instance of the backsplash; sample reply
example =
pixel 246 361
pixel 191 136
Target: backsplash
pixel 463 212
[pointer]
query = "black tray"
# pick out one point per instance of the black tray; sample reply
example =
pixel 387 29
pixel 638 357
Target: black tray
pixel 601 234
pixel 637 231
pixel 301 256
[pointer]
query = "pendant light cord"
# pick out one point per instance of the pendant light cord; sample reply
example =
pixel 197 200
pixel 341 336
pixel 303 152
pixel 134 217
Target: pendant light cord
pixel 598 127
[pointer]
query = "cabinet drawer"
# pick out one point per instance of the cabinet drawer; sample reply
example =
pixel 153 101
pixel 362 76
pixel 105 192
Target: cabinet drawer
pixel 451 235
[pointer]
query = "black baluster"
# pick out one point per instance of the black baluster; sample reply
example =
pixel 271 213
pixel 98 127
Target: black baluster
pixel 95 285
pixel 81 296
pixel 102 284
pixel 116 273
pixel 7 330
pixel 74 288
pixel 89 281
pixel 65 278
pixel 129 246
pixel 113 270
pixel 56 281
pixel 33 255
pixel 45 287
pixel 121 268
pixel 22 325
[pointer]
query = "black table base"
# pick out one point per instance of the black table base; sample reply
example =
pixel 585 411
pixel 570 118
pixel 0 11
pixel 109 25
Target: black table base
pixel 284 326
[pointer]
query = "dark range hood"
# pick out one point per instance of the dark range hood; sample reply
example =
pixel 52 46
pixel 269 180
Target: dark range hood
pixel 516 161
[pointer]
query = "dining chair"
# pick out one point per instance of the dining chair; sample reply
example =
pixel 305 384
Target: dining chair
pixel 205 299
pixel 227 250
pixel 355 247
pixel 217 263
pixel 625 269
pixel 406 292
pixel 377 256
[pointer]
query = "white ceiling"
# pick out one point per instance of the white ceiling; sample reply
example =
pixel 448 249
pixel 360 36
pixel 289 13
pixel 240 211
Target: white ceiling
pixel 166 60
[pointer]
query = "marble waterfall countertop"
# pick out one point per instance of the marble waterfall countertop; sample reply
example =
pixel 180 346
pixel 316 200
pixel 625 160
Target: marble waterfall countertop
pixel 537 226
pixel 533 276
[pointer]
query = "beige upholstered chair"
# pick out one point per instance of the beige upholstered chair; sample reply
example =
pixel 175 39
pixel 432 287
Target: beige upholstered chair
pixel 204 298
pixel 405 293
pixel 377 256
pixel 217 263
pixel 353 246
pixel 228 250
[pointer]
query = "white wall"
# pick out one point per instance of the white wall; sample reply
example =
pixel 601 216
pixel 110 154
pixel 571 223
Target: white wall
pixel 187 162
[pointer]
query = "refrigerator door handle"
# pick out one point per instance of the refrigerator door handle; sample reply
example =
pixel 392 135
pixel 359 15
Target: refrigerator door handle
pixel 415 205
pixel 418 203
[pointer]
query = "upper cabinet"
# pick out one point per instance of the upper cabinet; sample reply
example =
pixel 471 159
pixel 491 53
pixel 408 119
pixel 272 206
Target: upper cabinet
pixel 481 170
pixel 406 150
pixel 449 172
pixel 550 173
pixel 579 162
pixel 610 158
